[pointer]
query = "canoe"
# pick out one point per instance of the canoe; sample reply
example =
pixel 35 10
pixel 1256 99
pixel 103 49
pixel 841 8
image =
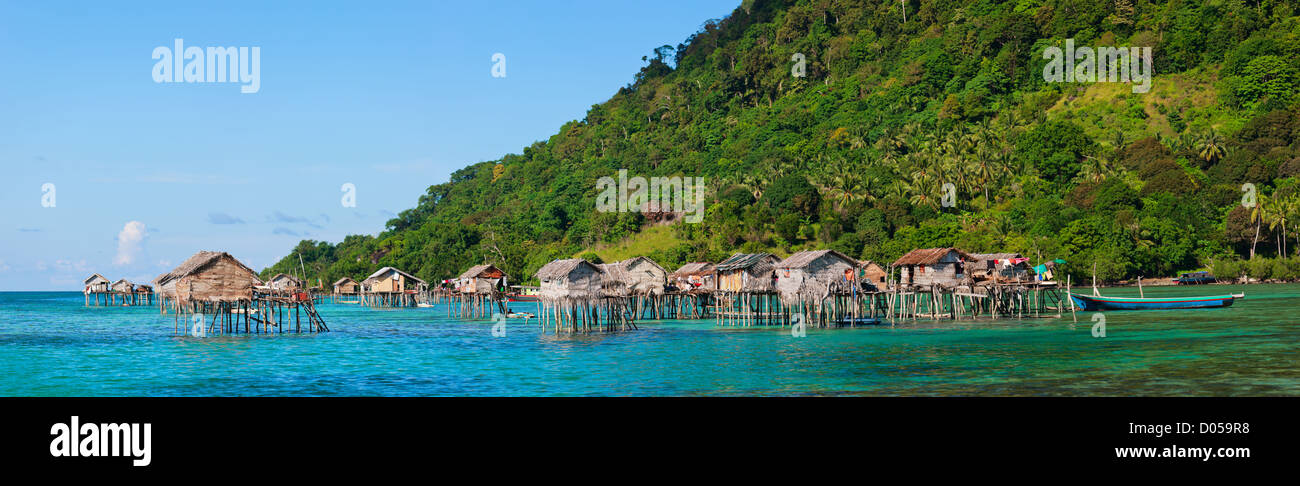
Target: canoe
pixel 1097 302
pixel 859 321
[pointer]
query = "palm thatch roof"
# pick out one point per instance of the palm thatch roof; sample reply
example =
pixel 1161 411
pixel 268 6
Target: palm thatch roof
pixel 569 282
pixel 232 280
pixel 634 276
pixel 929 256
pixel 812 276
pixel 196 263
pixel 561 268
pixel 95 278
pixel 344 280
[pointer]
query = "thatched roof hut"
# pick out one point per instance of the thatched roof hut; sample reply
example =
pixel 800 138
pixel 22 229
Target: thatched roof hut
pixel 747 272
pixel 695 276
pixel 143 289
pixel 811 276
pixel 933 266
pixel 999 266
pixel 208 276
pixel 346 286
pixel 634 276
pixel 481 279
pixel 389 280
pixel 283 281
pixel 96 283
pixel 569 281
pixel 123 286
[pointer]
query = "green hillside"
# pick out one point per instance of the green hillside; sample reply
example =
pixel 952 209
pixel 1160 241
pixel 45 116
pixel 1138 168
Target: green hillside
pixel 854 156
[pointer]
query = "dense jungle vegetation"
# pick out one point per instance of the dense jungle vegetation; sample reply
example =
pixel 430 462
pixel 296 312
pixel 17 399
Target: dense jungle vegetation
pixel 854 155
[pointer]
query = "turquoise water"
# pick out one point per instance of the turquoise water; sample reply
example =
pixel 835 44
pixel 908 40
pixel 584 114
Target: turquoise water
pixel 50 345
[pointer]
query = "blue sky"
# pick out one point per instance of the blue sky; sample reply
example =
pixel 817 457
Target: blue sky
pixel 389 96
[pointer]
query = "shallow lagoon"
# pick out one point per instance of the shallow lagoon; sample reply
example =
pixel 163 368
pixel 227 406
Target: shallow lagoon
pixel 50 345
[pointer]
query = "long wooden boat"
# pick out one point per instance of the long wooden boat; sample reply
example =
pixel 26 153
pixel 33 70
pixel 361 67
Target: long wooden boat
pixel 1098 302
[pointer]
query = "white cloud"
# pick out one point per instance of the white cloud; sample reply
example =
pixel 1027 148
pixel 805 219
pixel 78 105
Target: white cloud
pixel 128 242
pixel 4 267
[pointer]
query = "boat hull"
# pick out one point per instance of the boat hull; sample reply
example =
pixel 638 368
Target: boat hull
pixel 1096 303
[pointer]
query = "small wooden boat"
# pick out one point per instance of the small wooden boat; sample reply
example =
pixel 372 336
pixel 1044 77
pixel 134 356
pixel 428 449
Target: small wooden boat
pixel 1098 302
pixel 860 321
pixel 520 315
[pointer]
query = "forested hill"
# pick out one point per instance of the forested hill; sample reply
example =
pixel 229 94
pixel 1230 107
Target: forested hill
pixel 854 156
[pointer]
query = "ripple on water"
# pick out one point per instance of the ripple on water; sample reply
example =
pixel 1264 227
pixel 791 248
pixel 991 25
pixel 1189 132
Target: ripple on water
pixel 50 345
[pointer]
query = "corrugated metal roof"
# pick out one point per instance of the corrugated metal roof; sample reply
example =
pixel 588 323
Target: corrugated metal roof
pixel 803 258
pixel 743 260
pixel 387 269
pixel 694 268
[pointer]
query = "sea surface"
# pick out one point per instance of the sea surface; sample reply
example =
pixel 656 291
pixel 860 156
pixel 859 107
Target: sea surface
pixel 52 345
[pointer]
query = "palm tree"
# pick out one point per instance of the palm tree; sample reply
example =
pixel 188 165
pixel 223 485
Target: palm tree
pixel 1257 216
pixel 1096 169
pixel 1211 146
pixel 1277 219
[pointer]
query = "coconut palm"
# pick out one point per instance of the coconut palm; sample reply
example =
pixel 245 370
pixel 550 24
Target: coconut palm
pixel 1212 146
pixel 1257 216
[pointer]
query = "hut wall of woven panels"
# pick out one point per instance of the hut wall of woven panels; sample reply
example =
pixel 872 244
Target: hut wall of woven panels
pixel 811 276
pixel 573 280
pixel 478 285
pixel 96 283
pixel 223 280
pixel 123 286
pixel 747 273
pixel 933 266
pixel 644 276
